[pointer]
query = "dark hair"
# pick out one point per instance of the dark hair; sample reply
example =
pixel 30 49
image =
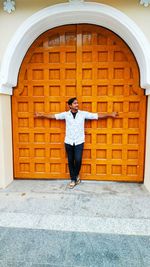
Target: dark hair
pixel 71 100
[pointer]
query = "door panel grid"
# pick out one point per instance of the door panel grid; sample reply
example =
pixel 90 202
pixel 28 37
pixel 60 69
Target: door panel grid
pixel 95 65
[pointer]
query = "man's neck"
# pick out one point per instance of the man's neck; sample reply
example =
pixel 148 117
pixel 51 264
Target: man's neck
pixel 74 110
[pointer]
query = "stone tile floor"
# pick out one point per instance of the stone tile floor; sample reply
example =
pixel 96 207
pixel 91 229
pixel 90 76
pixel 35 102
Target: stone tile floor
pixel 30 247
pixel 43 223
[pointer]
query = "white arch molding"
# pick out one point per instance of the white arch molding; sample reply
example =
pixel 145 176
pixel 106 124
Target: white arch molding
pixel 50 17
pixel 72 13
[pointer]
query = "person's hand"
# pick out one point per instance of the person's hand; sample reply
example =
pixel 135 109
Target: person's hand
pixel 114 114
pixel 38 115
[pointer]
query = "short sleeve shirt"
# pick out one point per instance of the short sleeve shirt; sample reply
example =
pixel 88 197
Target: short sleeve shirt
pixel 75 126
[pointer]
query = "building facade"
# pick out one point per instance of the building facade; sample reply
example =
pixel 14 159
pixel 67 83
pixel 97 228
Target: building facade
pixel 98 51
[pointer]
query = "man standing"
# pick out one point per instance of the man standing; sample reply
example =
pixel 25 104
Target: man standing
pixel 75 136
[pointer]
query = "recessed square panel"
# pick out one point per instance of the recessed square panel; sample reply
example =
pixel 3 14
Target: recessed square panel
pixel 23 137
pixel 71 57
pixel 133 123
pixel 88 138
pixel 39 167
pixel 119 56
pixel 39 122
pixel 38 90
pixel 116 169
pixel 37 58
pixel 70 38
pixel 86 38
pixel 55 124
pixel 101 106
pixel 54 74
pixel 24 152
pixel 86 56
pixel 86 168
pixel 101 153
pixel 87 106
pixel 88 124
pixel 55 153
pixel 118 73
pixel 87 90
pixel 39 106
pixel 86 74
pixel 116 153
pixel 101 169
pixel 54 90
pixel 102 73
pixel 39 137
pixel 101 138
pixel 23 107
pixel 39 152
pixel 131 170
pixel 117 123
pixel 117 138
pixel 38 74
pixel 55 167
pixel 54 106
pixel 132 154
pixel 70 90
pixel 24 167
pixel 102 56
pixel 118 106
pixel 133 138
pixel 102 90
pixel 87 154
pixel 102 123
pixel 118 90
pixel 70 74
pixel 54 40
pixel 134 106
pixel 23 122
pixel 55 138
pixel 54 57
pixel 101 39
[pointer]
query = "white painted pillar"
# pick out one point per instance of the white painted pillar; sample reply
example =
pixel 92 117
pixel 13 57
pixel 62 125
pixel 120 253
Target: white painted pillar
pixel 6 159
pixel 147 155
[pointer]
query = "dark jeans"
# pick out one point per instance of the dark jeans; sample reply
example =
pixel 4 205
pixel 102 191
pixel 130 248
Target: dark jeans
pixel 74 154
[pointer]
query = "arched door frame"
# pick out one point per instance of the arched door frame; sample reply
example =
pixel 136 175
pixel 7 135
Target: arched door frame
pixel 50 17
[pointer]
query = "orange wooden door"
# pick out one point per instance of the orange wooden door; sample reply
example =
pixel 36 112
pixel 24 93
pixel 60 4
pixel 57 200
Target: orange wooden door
pixel 95 65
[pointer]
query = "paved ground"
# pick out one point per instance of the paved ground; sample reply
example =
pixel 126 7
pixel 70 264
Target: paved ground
pixel 43 223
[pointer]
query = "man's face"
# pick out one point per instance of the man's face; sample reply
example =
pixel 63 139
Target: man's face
pixel 74 105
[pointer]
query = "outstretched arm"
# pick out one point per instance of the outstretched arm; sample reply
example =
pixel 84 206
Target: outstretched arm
pixel 43 115
pixel 108 115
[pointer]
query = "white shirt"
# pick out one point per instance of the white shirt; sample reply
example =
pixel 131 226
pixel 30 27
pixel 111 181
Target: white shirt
pixel 75 126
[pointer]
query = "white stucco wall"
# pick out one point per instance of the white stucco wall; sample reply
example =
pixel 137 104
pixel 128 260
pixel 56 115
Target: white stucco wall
pixel 6 159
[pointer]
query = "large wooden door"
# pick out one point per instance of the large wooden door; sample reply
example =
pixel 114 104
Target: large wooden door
pixel 95 65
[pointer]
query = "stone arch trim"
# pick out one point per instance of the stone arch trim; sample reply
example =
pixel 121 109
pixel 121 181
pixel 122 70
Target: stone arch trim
pixel 72 13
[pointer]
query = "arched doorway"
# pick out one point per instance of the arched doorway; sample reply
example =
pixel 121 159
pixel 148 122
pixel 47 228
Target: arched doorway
pixel 94 64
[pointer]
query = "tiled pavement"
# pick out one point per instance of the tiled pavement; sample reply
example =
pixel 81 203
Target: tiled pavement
pixel 42 223
pixel 30 247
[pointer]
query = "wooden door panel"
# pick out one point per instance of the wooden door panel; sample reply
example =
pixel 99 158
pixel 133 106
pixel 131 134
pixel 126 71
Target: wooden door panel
pixel 95 65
